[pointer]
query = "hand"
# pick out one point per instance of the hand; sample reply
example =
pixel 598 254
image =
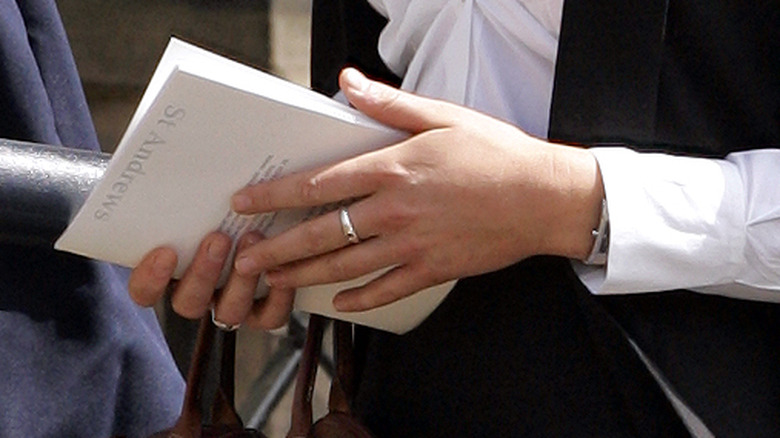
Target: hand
pixel 194 294
pixel 466 194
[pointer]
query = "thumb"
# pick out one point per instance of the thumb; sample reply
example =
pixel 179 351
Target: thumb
pixel 393 107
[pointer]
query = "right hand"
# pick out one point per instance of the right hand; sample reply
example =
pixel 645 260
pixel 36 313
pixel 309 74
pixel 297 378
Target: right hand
pixel 196 292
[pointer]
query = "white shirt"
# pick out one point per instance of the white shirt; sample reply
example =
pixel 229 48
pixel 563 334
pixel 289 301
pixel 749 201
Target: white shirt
pixel 675 222
pixel 703 224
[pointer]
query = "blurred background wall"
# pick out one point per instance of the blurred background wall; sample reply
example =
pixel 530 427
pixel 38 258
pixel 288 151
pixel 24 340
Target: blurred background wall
pixel 117 43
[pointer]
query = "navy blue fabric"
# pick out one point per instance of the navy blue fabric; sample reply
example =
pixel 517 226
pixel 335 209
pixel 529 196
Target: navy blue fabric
pixel 77 357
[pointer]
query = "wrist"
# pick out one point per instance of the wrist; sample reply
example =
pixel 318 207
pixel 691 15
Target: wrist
pixel 577 209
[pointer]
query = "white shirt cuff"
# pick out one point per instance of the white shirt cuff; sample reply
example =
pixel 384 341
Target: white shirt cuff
pixel 675 223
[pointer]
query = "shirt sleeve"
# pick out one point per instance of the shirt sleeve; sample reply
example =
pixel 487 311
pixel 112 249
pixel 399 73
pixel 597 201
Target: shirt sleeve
pixel 690 223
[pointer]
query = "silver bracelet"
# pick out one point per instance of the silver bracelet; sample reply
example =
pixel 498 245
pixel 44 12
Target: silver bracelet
pixel 598 254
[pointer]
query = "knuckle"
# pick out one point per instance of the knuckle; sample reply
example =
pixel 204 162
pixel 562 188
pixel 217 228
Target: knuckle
pixel 392 173
pixel 310 189
pixel 390 99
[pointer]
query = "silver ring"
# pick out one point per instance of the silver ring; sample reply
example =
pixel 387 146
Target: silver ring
pixel 346 226
pixel 221 325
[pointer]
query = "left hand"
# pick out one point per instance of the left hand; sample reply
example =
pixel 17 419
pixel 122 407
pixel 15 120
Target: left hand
pixel 466 194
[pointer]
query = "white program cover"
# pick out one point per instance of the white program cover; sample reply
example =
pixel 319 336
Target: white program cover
pixel 205 127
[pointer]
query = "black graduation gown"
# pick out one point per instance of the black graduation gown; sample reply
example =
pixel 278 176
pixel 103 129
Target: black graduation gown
pixel 527 351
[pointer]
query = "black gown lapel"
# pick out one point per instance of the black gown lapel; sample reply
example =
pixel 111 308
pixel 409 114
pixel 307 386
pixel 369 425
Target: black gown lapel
pixel 603 91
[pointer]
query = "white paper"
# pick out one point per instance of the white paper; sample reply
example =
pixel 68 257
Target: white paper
pixel 205 127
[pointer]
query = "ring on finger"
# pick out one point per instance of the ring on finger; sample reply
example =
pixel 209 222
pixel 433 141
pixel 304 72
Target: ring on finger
pixel 222 325
pixel 347 227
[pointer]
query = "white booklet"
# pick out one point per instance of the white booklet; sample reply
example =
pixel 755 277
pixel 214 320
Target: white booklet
pixel 205 127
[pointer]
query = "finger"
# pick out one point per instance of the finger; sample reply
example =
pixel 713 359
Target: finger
pixel 353 178
pixel 396 108
pixel 362 175
pixel 346 264
pixel 148 281
pixel 273 311
pixel 192 296
pixel 311 238
pixel 394 285
pixel 236 298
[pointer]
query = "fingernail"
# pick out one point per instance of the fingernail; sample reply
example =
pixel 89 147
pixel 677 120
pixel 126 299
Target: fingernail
pixel 341 304
pixel 355 80
pixel 245 265
pixel 241 203
pixel 217 250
